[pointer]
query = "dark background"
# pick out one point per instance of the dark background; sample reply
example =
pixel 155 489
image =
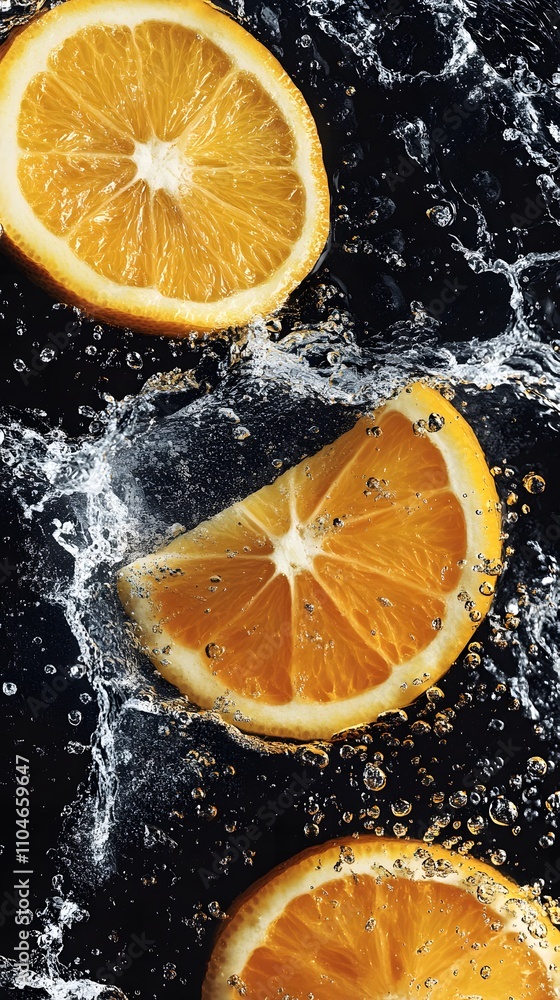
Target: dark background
pixel 387 252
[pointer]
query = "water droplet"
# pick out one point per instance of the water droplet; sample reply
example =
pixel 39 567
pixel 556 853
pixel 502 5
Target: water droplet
pixel 370 924
pixel 434 694
pixel 537 767
pixel 313 755
pixel 401 807
pixel 485 972
pixel 20 365
pixel 534 483
pixel 374 431
pixel 374 778
pixel 502 811
pixel 311 830
pixel 74 717
pixel 47 354
pixel 442 214
pixel 134 360
pixel 9 688
pixel 241 433
pixel 458 799
pixel 498 857
pixel 553 803
pixel 238 984
pixel 435 422
pixel 437 624
pixel 476 824
pixel 50 668
pixel 213 650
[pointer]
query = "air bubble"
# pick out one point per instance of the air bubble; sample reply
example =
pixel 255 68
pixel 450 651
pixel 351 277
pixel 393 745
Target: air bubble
pixel 498 857
pixel 241 433
pixel 537 767
pixel 213 650
pixel 374 778
pixel 553 803
pixel 401 807
pixel 435 422
pixel 476 824
pixel 313 755
pixel 74 717
pixel 503 811
pixel 534 483
pixel 134 360
pixel 458 799
pixel 9 688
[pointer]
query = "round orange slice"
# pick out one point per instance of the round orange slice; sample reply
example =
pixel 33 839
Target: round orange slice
pixel 159 167
pixel 378 919
pixel 345 588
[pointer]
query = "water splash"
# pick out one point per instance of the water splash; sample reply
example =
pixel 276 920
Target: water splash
pixel 104 499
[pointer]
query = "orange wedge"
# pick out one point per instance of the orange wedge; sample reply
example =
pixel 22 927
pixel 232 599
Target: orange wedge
pixel 159 168
pixel 345 588
pixel 378 919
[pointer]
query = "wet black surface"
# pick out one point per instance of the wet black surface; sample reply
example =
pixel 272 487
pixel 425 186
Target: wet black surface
pixel 412 135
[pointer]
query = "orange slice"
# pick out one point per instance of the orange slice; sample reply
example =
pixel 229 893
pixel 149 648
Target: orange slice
pixel 381 919
pixel 159 167
pixel 345 588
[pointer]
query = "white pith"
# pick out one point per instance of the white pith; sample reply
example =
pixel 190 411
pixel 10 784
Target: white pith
pixel 295 551
pixel 162 166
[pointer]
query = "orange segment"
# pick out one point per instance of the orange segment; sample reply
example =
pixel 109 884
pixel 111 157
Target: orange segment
pixel 213 201
pixel 385 919
pixel 333 656
pixel 195 68
pixel 435 527
pixel 337 598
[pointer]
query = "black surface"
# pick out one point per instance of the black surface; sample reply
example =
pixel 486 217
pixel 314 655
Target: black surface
pixel 381 196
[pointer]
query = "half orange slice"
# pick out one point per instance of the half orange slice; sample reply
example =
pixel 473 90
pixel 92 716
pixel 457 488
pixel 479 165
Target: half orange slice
pixel 378 919
pixel 159 167
pixel 345 588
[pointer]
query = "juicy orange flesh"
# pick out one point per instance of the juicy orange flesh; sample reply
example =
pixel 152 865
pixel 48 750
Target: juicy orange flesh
pixel 225 205
pixel 373 561
pixel 393 938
